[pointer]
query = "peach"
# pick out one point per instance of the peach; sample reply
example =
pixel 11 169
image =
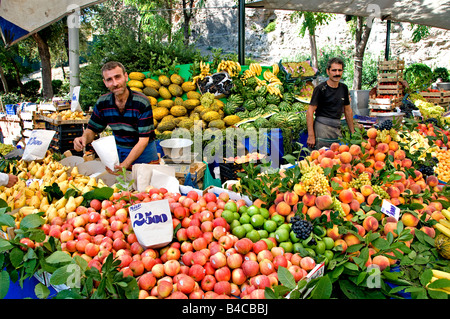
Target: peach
pixel 366 190
pixel 437 215
pixel 326 162
pixel 399 154
pixel 323 202
pixel 379 157
pixel 432 181
pixel 291 198
pixel 283 208
pixel 408 219
pixel 351 239
pixel 314 154
pixel 359 168
pixel 355 205
pixel 299 189
pixel 343 148
pixel 378 165
pixel 370 223
pixel 390 227
pixel 382 147
pixel 345 157
pixel 309 199
pixel 415 188
pixel 279 198
pixel 341 242
pixel 429 231
pixel 361 230
pixel 313 212
pixel 407 163
pixel 393 192
pixel 333 232
pixel 371 198
pixel 360 197
pixel 346 196
pixel 381 261
pixel 393 145
pixel 355 150
pixel 329 153
pixel 372 132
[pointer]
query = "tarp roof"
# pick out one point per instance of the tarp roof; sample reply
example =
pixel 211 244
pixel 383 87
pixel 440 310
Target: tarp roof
pixel 431 13
pixel 21 18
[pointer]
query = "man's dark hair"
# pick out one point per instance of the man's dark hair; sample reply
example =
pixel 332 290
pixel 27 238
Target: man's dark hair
pixel 335 60
pixel 112 65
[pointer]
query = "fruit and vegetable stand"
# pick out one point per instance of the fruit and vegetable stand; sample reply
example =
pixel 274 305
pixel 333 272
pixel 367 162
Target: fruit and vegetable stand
pixel 367 218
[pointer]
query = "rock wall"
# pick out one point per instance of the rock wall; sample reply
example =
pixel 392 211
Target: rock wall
pixel 216 26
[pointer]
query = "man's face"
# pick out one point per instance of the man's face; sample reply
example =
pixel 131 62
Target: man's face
pixel 335 72
pixel 115 80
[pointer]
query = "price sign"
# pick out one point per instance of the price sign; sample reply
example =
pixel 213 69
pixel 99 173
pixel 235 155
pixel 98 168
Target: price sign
pixel 390 210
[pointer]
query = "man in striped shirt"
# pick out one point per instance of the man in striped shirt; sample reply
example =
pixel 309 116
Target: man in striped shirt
pixel 129 114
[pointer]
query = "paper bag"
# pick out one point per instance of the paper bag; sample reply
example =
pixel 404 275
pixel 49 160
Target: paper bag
pixel 142 174
pixel 37 145
pixel 75 103
pixel 152 223
pixel 106 149
pixel 161 180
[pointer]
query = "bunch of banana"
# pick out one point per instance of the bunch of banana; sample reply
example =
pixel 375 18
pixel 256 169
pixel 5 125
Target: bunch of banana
pixel 275 69
pixel 439 274
pixel 204 72
pixel 233 68
pixel 273 88
pixel 271 78
pixel 444 223
pixel 255 68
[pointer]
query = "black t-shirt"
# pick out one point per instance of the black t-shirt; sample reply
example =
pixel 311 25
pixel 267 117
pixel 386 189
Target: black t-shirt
pixel 330 101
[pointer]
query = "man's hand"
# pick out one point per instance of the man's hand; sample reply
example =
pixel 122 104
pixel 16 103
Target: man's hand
pixel 79 143
pixel 117 171
pixel 311 141
pixel 12 180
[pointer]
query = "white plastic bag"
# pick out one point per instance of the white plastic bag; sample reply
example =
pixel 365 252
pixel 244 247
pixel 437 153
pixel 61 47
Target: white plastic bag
pixel 152 223
pixel 37 145
pixel 106 149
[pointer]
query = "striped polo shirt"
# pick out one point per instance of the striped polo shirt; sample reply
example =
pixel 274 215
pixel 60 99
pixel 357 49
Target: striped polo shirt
pixel 135 122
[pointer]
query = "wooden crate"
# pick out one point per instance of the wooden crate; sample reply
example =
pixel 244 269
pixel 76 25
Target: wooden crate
pixel 60 121
pixel 390 77
pixel 384 104
pixel 440 94
pixel 391 65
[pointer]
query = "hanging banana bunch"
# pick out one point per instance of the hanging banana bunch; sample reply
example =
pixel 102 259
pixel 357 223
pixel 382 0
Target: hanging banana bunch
pixel 204 71
pixel 255 68
pixel 275 69
pixel 233 68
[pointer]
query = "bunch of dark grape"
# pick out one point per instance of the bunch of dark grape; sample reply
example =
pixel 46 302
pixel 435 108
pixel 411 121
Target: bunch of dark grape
pixel 407 107
pixel 432 120
pixel 385 125
pixel 426 170
pixel 302 228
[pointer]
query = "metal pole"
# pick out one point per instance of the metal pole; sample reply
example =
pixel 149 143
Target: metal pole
pixel 241 33
pixel 388 40
pixel 73 23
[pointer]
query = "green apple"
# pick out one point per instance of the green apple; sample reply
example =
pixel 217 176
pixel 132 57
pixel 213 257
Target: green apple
pixel 239 231
pixel 293 237
pixel 253 235
pixel 230 205
pixel 270 225
pixel 257 220
pixel 287 246
pixel 281 235
pixel 252 210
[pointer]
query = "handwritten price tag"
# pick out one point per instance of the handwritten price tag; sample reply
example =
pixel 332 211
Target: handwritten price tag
pixel 390 210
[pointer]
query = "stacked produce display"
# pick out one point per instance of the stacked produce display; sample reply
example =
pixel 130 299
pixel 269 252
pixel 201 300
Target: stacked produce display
pixel 363 219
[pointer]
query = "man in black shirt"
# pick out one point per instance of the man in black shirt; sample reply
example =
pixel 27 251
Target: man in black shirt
pixel 329 100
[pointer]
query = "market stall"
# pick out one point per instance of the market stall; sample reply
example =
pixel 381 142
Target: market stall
pixel 366 218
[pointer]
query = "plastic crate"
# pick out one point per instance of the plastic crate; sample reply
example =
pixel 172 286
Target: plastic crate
pixel 11 109
pixel 228 171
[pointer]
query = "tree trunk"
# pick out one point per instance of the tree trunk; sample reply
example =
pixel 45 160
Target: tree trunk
pixel 17 74
pixel 361 37
pixel 3 78
pixel 312 42
pixel 187 15
pixel 46 67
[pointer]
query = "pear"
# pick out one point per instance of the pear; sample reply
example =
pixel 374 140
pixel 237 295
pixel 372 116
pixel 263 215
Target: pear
pixel 27 210
pixel 79 200
pixel 92 182
pixel 40 173
pixel 61 203
pixel 70 205
pixel 20 202
pixel 63 186
pixel 62 213
pixel 62 177
pixel 3 196
pixel 74 172
pixel 33 170
pixel 51 213
pixel 35 202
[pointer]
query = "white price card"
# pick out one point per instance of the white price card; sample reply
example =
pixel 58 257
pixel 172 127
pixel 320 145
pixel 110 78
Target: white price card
pixel 152 223
pixel 390 210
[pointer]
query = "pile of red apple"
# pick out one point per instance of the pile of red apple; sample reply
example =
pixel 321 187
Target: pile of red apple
pixel 430 130
pixel 204 261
